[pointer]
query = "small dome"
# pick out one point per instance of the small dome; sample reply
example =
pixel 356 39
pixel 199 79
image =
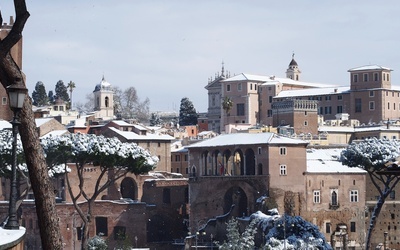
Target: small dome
pixel 293 62
pixel 103 85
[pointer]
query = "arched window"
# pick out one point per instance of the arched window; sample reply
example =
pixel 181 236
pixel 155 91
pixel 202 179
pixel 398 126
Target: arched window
pixel 334 198
pixel 106 101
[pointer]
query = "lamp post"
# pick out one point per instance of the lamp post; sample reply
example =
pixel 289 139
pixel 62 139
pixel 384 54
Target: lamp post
pixel 16 95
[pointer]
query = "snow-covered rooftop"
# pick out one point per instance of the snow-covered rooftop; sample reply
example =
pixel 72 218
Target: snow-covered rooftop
pixel 40 121
pixel 369 67
pixel 135 137
pixel 327 161
pixel 122 123
pixel 245 139
pixel 55 133
pixel 5 125
pixel 273 80
pixel 313 92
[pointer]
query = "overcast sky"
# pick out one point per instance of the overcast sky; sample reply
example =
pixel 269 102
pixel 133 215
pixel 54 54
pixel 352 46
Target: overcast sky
pixel 168 50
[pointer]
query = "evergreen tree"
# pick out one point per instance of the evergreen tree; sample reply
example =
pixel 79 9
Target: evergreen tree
pixel 155 119
pixel 62 91
pixel 236 240
pixel 51 96
pixel 187 113
pixel 39 95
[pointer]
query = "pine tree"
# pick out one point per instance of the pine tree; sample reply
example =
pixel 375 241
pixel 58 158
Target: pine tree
pixel 155 119
pixel 39 95
pixel 62 91
pixel 187 113
pixel 51 96
pixel 237 241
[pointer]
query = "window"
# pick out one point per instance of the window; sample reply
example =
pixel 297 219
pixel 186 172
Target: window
pixel 328 228
pixel 228 87
pixel 387 77
pixel 4 101
pixel 251 86
pixel 352 226
pixel 327 98
pixel 259 150
pixel 240 109
pixel 392 195
pixel 159 144
pixel 328 110
pixel 305 123
pixel 371 93
pixel 365 76
pixel 79 232
pixel 355 78
pixel 340 97
pixel 371 105
pixel 239 87
pixel 388 105
pixel 270 99
pixel 376 78
pixel 321 110
pixel 186 157
pixel 119 233
pixel 317 196
pixel 283 170
pixel 269 112
pixel 339 109
pixel 177 158
pixel 106 100
pixel 334 199
pixel 101 226
pixel 358 105
pixel 282 151
pixel 166 195
pixel 354 196
pixel 178 170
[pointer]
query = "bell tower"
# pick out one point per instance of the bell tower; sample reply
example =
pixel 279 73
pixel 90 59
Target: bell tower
pixel 104 100
pixel 293 71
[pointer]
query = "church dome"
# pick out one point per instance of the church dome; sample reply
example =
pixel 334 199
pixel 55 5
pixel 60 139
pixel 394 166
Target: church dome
pixel 293 62
pixel 103 85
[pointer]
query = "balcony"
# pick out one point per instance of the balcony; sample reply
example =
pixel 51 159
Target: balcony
pixel 334 206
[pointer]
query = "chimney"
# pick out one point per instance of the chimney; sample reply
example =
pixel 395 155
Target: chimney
pixel 11 20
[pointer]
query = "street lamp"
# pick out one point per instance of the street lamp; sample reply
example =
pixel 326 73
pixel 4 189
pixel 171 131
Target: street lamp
pixel 16 95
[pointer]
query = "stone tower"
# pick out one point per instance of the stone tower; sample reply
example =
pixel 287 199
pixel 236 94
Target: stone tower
pixel 293 71
pixel 104 100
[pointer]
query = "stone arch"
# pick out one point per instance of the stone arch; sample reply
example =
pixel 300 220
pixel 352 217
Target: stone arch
pixel 238 162
pixel 250 162
pixel 227 161
pixel 206 165
pixel 218 162
pixel 237 197
pixel 129 188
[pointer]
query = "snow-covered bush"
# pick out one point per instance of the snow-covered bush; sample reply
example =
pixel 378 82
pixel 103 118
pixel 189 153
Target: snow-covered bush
pixel 97 243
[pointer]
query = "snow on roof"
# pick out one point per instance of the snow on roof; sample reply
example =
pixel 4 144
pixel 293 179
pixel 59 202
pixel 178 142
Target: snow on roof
pixel 54 133
pixel 369 67
pixel 273 80
pixel 140 127
pixel 328 161
pixel 245 139
pixel 5 125
pixel 135 137
pixel 40 121
pixel 121 123
pixel 313 92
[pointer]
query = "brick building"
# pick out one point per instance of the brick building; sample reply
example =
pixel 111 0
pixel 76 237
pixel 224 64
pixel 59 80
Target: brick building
pixel 16 53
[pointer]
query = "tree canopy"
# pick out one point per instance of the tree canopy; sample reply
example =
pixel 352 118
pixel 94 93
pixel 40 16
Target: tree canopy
pixel 374 156
pixel 39 95
pixel 187 113
pixel 62 91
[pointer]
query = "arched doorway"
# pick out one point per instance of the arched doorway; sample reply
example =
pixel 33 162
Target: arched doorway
pixel 250 162
pixel 235 196
pixel 128 188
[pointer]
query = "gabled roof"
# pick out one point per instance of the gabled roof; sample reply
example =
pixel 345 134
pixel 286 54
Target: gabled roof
pixel 369 67
pixel 245 139
pixel 40 121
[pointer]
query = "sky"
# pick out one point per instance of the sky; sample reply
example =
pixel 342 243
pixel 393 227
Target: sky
pixel 170 49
